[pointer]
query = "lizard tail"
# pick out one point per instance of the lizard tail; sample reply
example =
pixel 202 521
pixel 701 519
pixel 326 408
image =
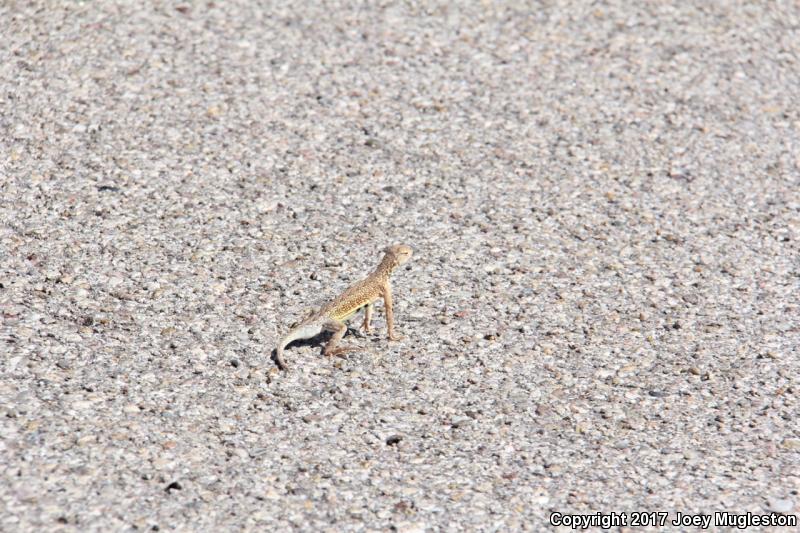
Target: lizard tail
pixel 279 351
pixel 304 331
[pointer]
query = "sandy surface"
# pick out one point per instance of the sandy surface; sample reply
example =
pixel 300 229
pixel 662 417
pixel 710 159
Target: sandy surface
pixel 602 313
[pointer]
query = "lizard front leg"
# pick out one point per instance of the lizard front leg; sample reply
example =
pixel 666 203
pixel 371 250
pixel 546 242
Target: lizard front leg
pixel 387 304
pixel 367 318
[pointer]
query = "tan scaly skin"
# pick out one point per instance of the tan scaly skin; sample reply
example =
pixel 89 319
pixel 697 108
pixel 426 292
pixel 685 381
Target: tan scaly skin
pixel 361 295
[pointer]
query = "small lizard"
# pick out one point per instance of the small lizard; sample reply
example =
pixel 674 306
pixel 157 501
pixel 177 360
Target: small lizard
pixel 361 295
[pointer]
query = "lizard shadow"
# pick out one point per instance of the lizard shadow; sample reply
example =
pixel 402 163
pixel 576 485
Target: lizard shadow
pixel 320 340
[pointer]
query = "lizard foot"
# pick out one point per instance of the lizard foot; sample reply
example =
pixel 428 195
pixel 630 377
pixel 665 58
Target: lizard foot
pixel 339 352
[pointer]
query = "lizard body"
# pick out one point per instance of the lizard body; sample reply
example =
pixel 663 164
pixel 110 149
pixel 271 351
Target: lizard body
pixel 361 295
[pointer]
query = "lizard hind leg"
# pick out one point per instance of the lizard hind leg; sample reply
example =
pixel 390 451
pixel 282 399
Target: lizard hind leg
pixel 339 329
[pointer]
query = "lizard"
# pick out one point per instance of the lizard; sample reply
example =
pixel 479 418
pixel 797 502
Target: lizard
pixel 361 295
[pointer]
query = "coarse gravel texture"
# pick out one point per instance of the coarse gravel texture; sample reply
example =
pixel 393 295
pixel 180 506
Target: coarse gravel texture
pixel 602 312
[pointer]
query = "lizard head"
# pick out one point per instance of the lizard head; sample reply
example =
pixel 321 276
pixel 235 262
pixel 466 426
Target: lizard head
pixel 400 253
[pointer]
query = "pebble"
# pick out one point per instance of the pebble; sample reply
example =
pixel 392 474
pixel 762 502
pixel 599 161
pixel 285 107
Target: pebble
pixel 410 527
pixel 780 505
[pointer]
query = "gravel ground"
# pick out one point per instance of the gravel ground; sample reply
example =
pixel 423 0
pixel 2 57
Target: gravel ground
pixel 602 313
